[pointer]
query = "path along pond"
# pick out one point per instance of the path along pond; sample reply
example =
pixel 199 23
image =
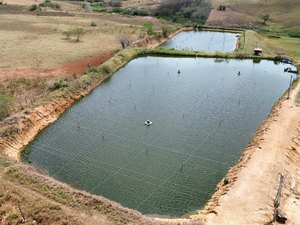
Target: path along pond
pixel 202 119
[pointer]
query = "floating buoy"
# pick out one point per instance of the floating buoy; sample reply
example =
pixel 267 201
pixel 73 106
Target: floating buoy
pixel 148 123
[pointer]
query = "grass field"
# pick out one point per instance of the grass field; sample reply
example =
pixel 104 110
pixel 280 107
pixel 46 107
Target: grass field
pixel 38 42
pixel 243 12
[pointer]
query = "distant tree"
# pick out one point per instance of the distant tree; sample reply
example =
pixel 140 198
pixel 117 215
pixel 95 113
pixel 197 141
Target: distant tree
pixel 149 27
pixel 166 30
pixel 195 10
pixel 33 7
pixel 124 41
pixel 222 7
pixel 265 18
pixel 116 3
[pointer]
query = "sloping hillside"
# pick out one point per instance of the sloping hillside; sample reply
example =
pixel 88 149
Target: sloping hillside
pixel 284 13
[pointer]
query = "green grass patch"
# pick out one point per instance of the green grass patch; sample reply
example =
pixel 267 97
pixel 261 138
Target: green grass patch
pixel 4 162
pixel 226 55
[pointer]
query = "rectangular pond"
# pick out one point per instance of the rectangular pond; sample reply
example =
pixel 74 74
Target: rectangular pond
pixel 206 41
pixel 202 119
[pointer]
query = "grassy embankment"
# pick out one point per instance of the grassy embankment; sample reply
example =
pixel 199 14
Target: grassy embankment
pixel 27 194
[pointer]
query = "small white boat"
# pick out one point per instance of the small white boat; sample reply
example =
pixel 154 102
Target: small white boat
pixel 148 123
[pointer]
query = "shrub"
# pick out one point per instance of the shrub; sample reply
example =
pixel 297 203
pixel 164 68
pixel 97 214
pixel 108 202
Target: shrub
pixel 116 3
pixel 138 12
pixel 57 85
pixel 6 103
pixel 222 8
pixel 77 33
pixel 226 180
pixel 124 41
pixel 265 18
pixel 104 69
pixel 294 34
pixel 149 27
pixel 33 7
pixel 166 30
pixel 93 24
pixel 48 3
pixel 67 34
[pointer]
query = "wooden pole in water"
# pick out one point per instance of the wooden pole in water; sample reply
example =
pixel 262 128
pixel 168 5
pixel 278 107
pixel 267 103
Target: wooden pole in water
pixel 289 90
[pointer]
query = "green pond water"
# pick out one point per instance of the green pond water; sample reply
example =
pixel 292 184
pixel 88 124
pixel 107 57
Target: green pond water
pixel 208 41
pixel 202 120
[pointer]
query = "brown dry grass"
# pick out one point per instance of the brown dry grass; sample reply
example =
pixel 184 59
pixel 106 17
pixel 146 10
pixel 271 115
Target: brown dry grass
pixel 140 3
pixel 243 12
pixel 22 2
pixel 38 42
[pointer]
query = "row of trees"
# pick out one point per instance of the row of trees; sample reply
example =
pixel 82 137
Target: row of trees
pixel 176 10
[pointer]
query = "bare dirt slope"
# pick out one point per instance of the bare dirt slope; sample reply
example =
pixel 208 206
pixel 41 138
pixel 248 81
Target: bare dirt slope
pixel 248 199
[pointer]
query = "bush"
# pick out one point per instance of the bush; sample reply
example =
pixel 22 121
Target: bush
pixel 124 41
pixel 93 24
pixel 116 3
pixel 138 12
pixel 67 34
pixel 104 69
pixel 222 8
pixel 226 180
pixel 149 27
pixel 294 34
pixel 6 103
pixel 48 3
pixel 33 7
pixel 57 85
pixel 77 33
pixel 166 30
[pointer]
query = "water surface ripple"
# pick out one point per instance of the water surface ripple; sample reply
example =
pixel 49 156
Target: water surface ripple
pixel 202 119
pixel 208 41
